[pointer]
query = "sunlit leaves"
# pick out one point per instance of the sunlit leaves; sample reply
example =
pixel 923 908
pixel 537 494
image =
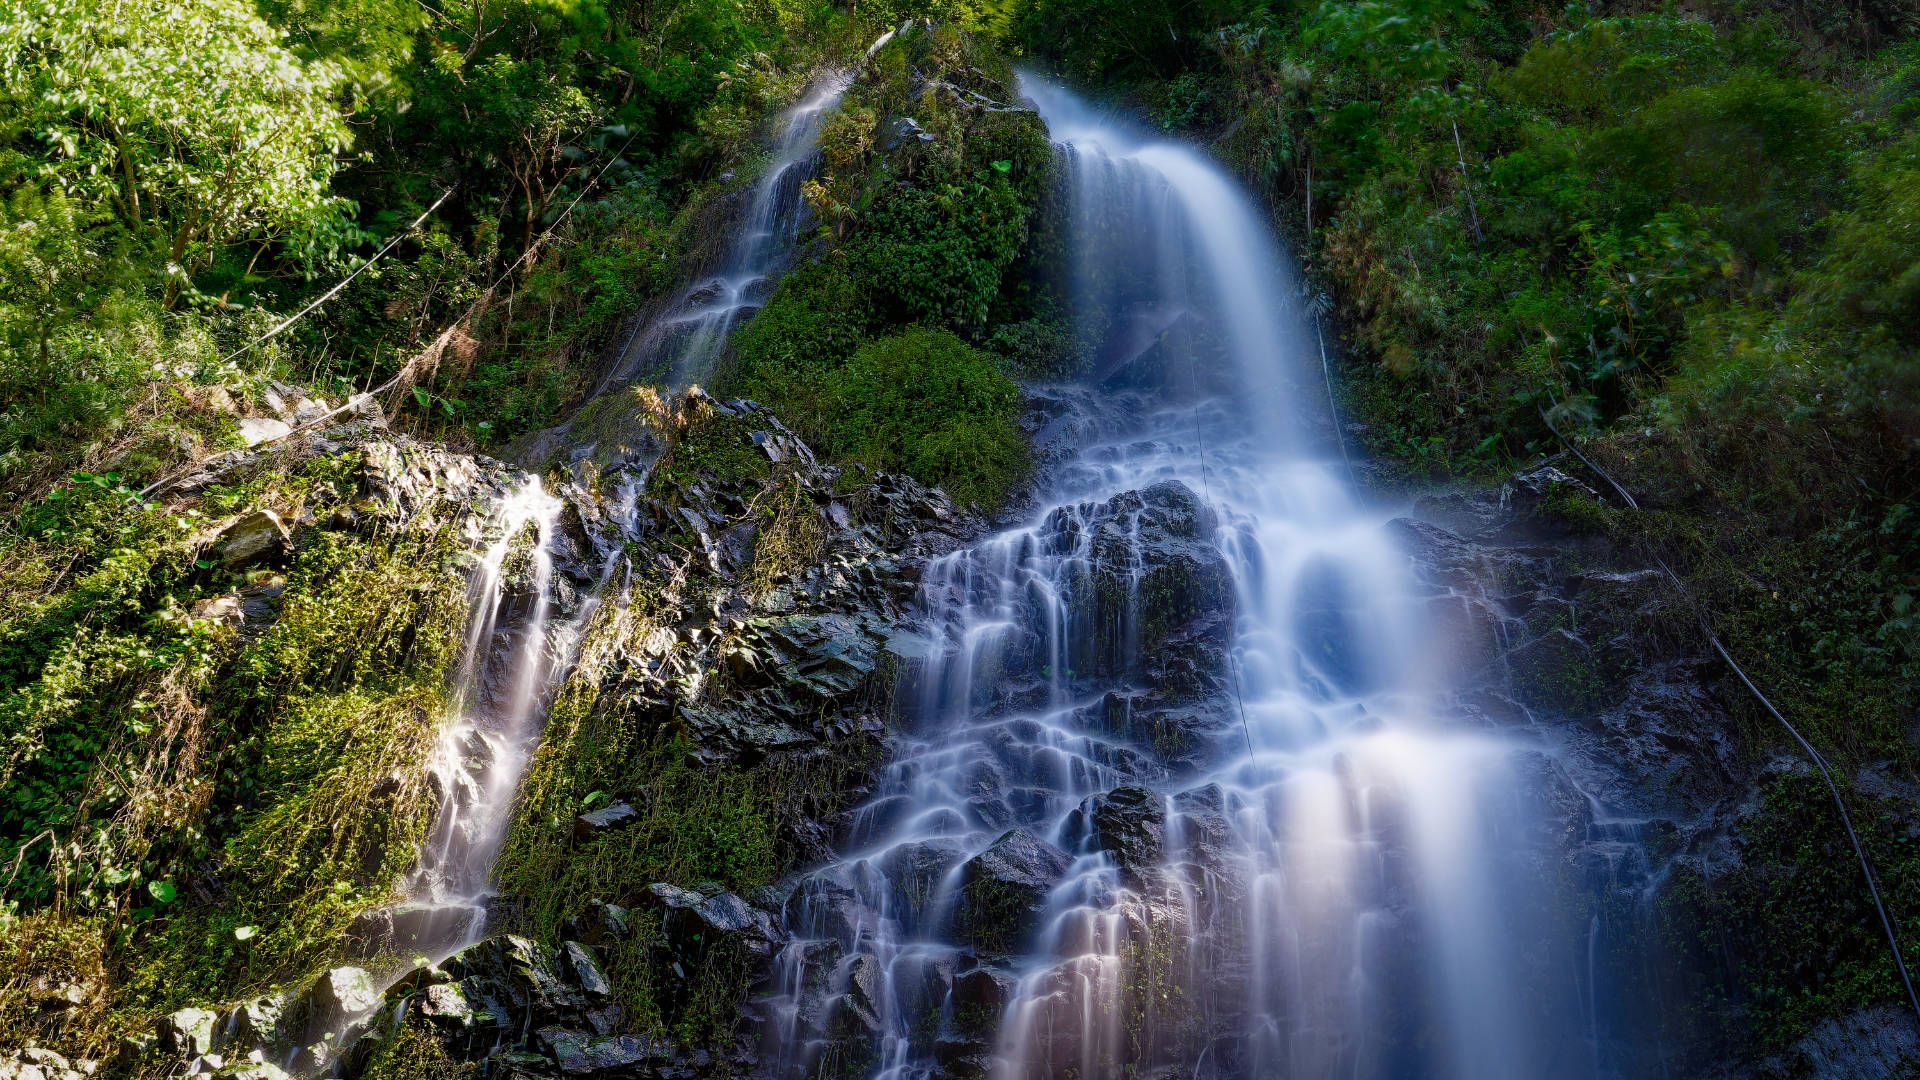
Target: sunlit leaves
pixel 189 117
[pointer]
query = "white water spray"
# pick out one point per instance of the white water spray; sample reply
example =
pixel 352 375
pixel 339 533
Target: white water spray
pixel 1345 880
pixel 506 668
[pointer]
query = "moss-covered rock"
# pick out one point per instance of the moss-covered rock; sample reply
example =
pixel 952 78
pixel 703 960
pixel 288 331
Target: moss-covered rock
pixel 1003 890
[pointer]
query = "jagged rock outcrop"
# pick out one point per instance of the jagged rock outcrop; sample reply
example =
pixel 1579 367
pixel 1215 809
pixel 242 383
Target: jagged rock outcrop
pixel 1004 889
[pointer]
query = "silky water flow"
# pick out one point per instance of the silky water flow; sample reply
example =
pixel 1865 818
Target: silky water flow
pixel 1179 791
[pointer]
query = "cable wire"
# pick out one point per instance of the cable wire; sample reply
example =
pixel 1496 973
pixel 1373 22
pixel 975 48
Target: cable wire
pixel 1206 493
pixel 356 401
pixel 1819 761
pixel 343 283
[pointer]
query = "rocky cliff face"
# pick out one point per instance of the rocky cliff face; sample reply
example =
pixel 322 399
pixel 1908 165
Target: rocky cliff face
pixel 751 633
pixel 722 695
pixel 1697 842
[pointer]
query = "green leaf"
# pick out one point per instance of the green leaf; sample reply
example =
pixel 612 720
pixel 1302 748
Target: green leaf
pixel 424 399
pixel 162 891
pixel 245 933
pixel 1003 166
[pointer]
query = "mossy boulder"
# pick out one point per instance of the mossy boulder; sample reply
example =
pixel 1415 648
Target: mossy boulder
pixel 1003 890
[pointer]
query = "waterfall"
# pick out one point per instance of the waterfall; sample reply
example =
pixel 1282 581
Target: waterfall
pixel 678 345
pixel 506 668
pixel 514 656
pixel 1181 788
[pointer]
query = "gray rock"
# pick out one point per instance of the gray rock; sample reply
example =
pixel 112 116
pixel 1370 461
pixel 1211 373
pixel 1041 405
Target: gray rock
pixel 606 819
pixel 447 1005
pixel 1004 888
pixel 694 918
pixel 39 1063
pixel 857 1017
pixel 586 971
pixel 1868 1044
pixel 579 1054
pixel 258 1023
pixel 600 924
pixel 254 538
pixel 343 993
pixel 255 430
pixel 916 872
pixel 188 1032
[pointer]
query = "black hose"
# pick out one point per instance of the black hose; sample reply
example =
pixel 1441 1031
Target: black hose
pixel 1820 762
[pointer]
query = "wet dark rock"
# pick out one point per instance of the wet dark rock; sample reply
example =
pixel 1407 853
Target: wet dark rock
pixel 1555 671
pixel 1512 513
pixel 512 974
pixel 1880 1043
pixel 825 907
pixel 916 872
pixel 1004 889
pixel 1158 581
pixel 695 920
pixel 979 996
pixel 481 1002
pixel 600 923
pixel 606 819
pixel 578 961
pixel 575 1053
pixel 859 1013
pixel 905 129
pixel 1129 822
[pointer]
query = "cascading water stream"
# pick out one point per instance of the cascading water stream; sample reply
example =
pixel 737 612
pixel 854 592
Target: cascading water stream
pixel 679 345
pixel 1181 789
pixel 506 667
pixel 512 657
pixel 515 652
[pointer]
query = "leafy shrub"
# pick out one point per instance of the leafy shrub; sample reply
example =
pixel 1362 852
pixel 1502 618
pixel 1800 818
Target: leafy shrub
pixel 191 120
pixel 935 253
pixel 814 322
pixel 926 402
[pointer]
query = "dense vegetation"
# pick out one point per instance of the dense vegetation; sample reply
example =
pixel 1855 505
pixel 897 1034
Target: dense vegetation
pixel 1687 237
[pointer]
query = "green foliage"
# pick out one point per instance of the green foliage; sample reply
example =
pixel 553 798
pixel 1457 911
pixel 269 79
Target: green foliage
pixel 190 119
pixel 1793 917
pixel 714 449
pixel 412 1053
pixel 216 805
pixel 930 233
pixel 816 320
pixel 697 823
pixel 1099 40
pixel 1869 275
pixel 925 402
pixel 937 252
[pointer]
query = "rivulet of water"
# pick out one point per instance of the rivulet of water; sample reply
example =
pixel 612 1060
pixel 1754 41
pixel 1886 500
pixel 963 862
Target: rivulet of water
pixel 680 343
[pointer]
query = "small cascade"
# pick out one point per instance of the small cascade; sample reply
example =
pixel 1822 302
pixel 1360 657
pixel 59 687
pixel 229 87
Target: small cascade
pixel 506 668
pixel 1182 786
pixel 678 345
